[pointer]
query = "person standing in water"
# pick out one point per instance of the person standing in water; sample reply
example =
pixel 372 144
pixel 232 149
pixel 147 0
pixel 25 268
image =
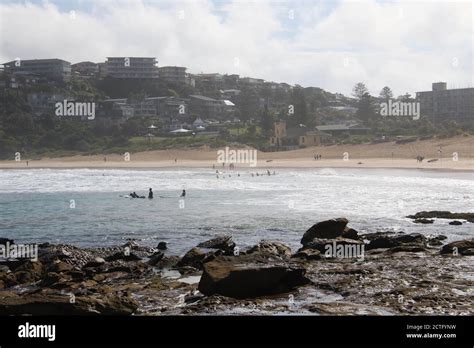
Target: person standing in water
pixel 150 193
pixel 183 194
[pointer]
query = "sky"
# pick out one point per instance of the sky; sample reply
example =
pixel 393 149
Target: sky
pixel 405 45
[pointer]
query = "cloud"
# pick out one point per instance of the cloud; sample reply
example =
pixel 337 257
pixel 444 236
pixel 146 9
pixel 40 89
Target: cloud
pixel 405 45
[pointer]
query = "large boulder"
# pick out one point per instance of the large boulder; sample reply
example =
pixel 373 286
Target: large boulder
pixel 462 246
pixel 328 229
pixel 242 277
pixel 193 258
pixel 269 247
pixel 221 242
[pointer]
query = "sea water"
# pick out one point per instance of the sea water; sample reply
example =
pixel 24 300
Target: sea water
pixel 86 207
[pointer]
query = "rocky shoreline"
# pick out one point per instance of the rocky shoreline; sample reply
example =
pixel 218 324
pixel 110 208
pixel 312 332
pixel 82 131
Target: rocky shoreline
pixel 337 271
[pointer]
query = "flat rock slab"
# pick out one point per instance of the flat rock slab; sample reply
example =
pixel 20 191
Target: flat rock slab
pixel 39 304
pixel 240 277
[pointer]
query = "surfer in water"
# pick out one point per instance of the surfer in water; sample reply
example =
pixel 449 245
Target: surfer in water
pixel 183 194
pixel 150 194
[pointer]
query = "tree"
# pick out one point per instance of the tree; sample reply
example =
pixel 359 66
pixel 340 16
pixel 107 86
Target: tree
pixel 386 93
pixel 298 101
pixel 366 109
pixel 248 104
pixel 266 121
pixel 406 97
pixel 359 90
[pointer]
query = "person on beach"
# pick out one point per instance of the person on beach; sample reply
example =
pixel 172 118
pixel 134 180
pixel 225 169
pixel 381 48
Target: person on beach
pixel 150 194
pixel 183 194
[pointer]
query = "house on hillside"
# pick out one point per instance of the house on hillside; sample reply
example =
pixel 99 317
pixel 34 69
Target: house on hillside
pixel 349 128
pixel 294 137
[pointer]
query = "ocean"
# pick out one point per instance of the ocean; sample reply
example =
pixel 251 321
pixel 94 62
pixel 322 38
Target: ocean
pixel 86 207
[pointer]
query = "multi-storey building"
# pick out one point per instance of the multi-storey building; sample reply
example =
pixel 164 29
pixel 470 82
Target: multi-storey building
pixel 206 107
pixel 53 69
pixel 132 67
pixel 173 74
pixel 442 104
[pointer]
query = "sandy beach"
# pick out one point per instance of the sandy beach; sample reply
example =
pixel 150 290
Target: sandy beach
pixel 457 153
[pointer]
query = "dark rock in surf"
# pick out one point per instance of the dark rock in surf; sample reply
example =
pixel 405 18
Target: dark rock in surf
pixel 423 221
pixel 435 214
pixel 461 247
pixel 222 242
pixel 162 246
pixel 325 230
pixel 455 223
